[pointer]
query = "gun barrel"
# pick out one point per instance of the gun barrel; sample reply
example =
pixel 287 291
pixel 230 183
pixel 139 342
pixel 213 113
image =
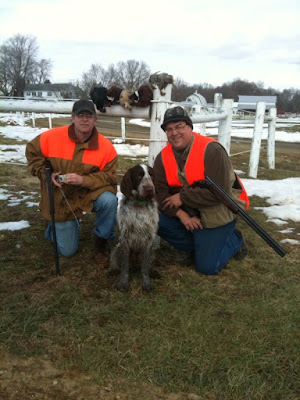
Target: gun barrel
pixel 234 207
pixel 49 189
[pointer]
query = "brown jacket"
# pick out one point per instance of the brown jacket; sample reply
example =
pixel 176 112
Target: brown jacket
pixel 74 199
pixel 217 166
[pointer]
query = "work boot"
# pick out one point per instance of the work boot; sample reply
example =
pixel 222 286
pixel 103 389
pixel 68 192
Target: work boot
pixel 101 250
pixel 185 259
pixel 243 251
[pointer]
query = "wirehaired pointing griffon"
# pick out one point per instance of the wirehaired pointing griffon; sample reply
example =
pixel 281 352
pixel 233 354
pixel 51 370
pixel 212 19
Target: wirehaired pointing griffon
pixel 137 219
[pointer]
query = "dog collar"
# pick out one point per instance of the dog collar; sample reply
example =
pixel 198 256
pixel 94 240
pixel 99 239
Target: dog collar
pixel 141 202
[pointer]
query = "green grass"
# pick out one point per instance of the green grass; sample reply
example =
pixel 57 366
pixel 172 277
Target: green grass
pixel 229 337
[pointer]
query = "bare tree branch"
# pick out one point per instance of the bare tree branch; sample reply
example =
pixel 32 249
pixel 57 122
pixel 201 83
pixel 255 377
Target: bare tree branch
pixel 19 64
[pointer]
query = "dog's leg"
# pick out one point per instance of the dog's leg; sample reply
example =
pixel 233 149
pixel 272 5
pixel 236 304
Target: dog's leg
pixel 123 283
pixel 114 267
pixel 145 267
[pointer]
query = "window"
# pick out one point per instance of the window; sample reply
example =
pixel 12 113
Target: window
pixel 28 93
pixel 33 93
pixel 49 94
pixel 40 94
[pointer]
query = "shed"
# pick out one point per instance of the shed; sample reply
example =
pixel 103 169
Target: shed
pixel 249 102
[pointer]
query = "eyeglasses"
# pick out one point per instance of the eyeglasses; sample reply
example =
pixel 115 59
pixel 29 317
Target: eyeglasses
pixel 85 115
pixel 177 128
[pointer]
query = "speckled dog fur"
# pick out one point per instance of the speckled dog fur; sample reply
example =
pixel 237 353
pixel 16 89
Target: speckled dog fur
pixel 137 219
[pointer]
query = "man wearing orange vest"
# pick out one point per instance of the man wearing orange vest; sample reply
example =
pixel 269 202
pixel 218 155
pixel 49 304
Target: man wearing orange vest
pixel 88 163
pixel 191 218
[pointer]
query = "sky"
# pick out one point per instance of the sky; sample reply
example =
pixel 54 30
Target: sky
pixel 282 196
pixel 198 41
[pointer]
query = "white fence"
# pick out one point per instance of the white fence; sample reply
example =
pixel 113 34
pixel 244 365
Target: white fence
pixel 222 112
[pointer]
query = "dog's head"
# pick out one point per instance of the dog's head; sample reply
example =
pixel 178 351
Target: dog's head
pixel 137 183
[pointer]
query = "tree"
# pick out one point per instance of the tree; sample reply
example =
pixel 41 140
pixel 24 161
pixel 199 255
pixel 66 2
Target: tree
pixel 128 75
pixel 19 64
pixel 96 75
pixel 132 74
pixel 181 90
pixel 42 71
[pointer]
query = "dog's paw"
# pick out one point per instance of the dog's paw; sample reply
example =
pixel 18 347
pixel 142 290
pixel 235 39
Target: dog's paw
pixel 122 286
pixel 147 287
pixel 154 274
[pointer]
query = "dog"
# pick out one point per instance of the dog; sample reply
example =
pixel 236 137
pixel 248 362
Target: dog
pixel 137 219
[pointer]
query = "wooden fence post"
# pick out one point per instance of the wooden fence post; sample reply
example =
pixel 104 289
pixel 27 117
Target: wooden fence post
pixel 217 101
pixel 256 139
pixel 33 119
pixel 22 118
pixel 202 125
pixel 123 129
pixel 224 131
pixel 50 121
pixel 271 138
pixel 158 138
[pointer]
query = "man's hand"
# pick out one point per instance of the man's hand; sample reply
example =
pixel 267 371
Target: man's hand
pixel 53 178
pixel 172 201
pixel 71 179
pixel 74 179
pixel 190 223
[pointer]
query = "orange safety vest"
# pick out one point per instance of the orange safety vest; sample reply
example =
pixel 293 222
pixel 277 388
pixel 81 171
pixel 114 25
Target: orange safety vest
pixel 194 167
pixel 56 143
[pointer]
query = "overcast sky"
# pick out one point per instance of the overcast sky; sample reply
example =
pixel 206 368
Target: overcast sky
pixel 196 40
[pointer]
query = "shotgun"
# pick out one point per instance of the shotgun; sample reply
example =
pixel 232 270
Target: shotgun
pixel 51 206
pixel 224 198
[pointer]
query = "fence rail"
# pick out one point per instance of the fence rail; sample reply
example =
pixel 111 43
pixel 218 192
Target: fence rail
pixel 221 112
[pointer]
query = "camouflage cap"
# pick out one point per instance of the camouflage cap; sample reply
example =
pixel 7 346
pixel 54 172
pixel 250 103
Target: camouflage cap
pixel 175 114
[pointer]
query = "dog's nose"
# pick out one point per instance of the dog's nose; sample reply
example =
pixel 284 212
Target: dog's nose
pixel 149 190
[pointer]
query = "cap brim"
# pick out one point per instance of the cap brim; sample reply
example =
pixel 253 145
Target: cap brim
pixel 84 109
pixel 173 120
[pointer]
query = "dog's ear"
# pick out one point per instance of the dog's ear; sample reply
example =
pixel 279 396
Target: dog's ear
pixel 126 185
pixel 150 170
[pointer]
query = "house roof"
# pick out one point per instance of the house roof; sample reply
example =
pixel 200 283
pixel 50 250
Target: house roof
pixel 49 87
pixel 249 102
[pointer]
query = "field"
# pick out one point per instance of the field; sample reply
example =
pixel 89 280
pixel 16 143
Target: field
pixel 234 336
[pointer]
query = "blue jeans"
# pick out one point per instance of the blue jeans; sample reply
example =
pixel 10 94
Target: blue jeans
pixel 67 233
pixel 212 247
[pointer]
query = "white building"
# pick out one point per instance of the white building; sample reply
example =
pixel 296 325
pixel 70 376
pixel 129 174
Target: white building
pixel 52 91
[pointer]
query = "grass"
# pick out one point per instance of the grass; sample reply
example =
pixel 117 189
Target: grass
pixel 229 337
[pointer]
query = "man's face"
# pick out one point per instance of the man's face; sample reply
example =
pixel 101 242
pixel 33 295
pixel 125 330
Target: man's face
pixel 179 134
pixel 84 123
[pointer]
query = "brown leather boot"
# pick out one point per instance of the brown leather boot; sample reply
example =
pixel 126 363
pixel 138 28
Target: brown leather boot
pixel 243 251
pixel 100 250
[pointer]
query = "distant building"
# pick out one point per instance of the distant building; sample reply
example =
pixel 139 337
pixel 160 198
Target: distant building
pixel 196 102
pixel 248 103
pixel 52 91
